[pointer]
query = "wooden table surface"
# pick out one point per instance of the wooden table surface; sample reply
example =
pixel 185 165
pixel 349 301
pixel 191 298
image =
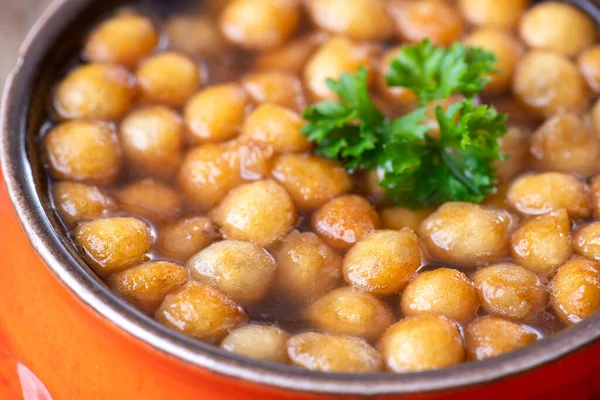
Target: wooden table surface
pixel 16 17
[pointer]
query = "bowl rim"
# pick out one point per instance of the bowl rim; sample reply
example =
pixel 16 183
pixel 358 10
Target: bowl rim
pixel 69 270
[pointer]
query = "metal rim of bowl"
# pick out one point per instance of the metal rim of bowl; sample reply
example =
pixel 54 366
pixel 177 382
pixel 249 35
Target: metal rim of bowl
pixel 71 272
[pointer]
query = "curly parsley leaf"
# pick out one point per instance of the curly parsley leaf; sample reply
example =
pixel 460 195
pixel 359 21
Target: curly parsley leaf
pixel 435 73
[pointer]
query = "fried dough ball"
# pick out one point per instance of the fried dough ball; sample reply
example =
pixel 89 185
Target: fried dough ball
pixel 347 311
pixel 443 291
pixel 169 78
pixel 201 311
pixel 543 242
pixel 435 20
pixel 558 27
pixel 536 194
pixel 280 88
pixel 501 14
pixel 422 342
pixel 260 212
pixel 76 201
pixel 489 337
pixel 278 127
pixel 565 144
pixel 595 196
pixel 310 180
pixel 123 39
pixel 400 217
pixel 575 290
pixel 383 262
pixel 334 57
pixel 510 291
pixel 146 285
pixel 251 158
pixel 467 234
pixel 306 267
pixel 515 144
pixel 151 199
pixel 95 91
pixel 333 353
pixel 595 115
pixel 207 174
pixel 83 151
pixel 243 270
pixel 260 25
pixel 587 241
pixel 114 244
pixel 589 66
pixel 152 140
pixel 292 56
pixel 398 95
pixel 262 342
pixel 548 83
pixel 344 220
pixel 216 113
pixel 186 237
pixel 507 51
pixel 358 19
pixel 195 35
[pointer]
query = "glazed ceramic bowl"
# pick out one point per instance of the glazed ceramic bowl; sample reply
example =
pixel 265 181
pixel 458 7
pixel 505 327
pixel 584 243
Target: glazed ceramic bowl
pixel 63 324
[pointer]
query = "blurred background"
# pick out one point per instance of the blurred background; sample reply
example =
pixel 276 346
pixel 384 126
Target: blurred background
pixel 16 17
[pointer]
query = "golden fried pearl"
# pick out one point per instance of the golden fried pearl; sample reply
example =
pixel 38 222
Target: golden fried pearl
pixel 195 35
pixel 216 113
pixel 95 91
pixel 84 151
pixel 306 267
pixel 278 127
pixel 422 342
pixel 113 244
pixel 333 353
pixel 76 201
pixel 347 311
pixel 261 342
pixel 427 19
pixel 515 143
pixel 467 234
pixel 558 27
pixel 565 144
pixel 259 25
pixel 401 217
pixel 586 241
pixel 442 291
pixel 168 78
pixel 146 285
pixel 186 237
pixel 589 66
pixel 151 199
pixel 292 56
pixel 207 174
pixel 152 140
pixel 536 194
pixel 501 14
pixel 310 180
pixel 507 51
pixel 549 83
pixel 357 19
pixel 260 212
pixel 383 262
pixel 575 290
pixel 489 337
pixel 510 291
pixel 280 88
pixel 243 270
pixel 123 39
pixel 344 220
pixel 201 311
pixel 334 57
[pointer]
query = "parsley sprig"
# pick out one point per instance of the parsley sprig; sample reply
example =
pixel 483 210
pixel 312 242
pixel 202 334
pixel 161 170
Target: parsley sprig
pixel 418 169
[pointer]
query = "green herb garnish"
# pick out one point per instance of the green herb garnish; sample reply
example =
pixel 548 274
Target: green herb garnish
pixel 419 169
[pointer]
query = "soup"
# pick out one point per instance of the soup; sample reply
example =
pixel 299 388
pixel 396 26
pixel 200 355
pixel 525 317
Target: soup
pixel 189 163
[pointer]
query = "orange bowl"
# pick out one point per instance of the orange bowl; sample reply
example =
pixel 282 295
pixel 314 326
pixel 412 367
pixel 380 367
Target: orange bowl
pixel 64 335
